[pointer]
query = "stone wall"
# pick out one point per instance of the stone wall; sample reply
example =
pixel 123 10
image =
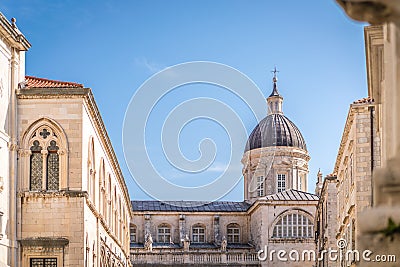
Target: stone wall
pixel 175 220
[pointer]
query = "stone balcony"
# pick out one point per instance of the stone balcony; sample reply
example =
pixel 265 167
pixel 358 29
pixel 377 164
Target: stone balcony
pixel 195 258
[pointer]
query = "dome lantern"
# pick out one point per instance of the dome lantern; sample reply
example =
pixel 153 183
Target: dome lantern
pixel 275 100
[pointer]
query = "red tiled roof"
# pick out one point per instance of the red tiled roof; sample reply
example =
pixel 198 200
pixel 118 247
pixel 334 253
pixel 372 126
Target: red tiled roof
pixel 34 82
pixel 365 100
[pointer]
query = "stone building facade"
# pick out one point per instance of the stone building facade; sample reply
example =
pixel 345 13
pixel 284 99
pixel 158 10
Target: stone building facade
pixel 68 204
pixel 325 218
pixel 12 70
pixel 348 192
pixel 276 214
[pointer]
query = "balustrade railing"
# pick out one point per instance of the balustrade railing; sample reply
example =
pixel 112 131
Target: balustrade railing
pixel 176 258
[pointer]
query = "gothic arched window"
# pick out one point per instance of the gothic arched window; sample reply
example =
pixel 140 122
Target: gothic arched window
pixel 36 167
pixel 43 157
pixel 53 166
pixel 91 171
pixel 293 225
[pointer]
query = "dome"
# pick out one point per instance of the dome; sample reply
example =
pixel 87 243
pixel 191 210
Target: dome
pixel 275 130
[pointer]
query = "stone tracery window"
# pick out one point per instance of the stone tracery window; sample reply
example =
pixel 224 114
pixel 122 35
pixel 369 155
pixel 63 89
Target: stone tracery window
pixel 44 160
pixel 293 225
pixel 53 166
pixel 36 167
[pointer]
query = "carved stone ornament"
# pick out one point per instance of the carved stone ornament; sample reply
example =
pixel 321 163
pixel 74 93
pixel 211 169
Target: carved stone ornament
pixel 372 11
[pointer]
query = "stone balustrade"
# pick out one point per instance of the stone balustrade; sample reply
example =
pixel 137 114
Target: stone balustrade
pixel 196 258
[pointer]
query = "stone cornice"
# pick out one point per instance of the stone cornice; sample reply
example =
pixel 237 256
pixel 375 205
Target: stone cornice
pixel 13 35
pixel 52 194
pixel 322 197
pixel 372 35
pixel 45 93
pixel 345 136
pixel 372 11
pixel 298 203
pixel 94 111
pixel 177 213
pixel 346 131
pixel 276 152
pixel 44 242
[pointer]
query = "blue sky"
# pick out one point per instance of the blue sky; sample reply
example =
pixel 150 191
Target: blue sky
pixel 115 46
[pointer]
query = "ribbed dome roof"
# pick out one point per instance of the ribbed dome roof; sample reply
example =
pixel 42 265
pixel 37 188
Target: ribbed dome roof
pixel 275 130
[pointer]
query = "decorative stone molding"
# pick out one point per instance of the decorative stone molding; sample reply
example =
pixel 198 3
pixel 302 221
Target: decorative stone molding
pixel 372 11
pixel 1 184
pixel 45 243
pixel 51 194
pixel 12 146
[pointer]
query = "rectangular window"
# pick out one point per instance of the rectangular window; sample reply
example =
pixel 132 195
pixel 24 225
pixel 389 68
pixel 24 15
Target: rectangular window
pixel 281 182
pixel 133 235
pixel 198 235
pixel 233 235
pixel 43 262
pixel 164 234
pixel 260 186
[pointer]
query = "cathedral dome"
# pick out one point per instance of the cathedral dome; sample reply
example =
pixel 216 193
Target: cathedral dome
pixel 275 129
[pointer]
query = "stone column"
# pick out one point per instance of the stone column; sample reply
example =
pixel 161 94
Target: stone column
pixel 182 226
pixel 147 224
pixel 217 237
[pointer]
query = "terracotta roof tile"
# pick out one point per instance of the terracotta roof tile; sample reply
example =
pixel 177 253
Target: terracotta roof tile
pixel 365 100
pixel 35 82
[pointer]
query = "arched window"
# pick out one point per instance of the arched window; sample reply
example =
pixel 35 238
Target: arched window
pixel 233 233
pixel 102 187
pixel 164 233
pixel 198 233
pixel 293 225
pixel 132 232
pixel 36 167
pixel 91 171
pixel 53 166
pixel 43 156
pixel 109 202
